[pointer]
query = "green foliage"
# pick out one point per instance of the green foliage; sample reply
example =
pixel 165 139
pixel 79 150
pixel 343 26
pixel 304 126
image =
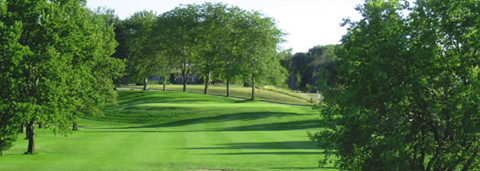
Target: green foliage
pixel 55 61
pixel 144 53
pixel 407 92
pixel 179 34
pixel 307 68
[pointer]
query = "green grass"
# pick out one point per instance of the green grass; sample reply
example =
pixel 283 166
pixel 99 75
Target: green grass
pixel 266 94
pixel 152 130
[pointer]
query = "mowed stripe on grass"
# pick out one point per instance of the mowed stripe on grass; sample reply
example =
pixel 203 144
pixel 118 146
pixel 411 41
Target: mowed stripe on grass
pixel 205 133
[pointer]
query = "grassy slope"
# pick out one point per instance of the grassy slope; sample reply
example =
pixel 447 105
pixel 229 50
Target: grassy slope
pixel 178 131
pixel 273 95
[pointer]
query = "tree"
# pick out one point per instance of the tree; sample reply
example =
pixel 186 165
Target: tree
pixel 259 49
pixel 181 29
pixel 96 93
pixel 219 28
pixel 145 55
pixel 406 95
pixel 51 57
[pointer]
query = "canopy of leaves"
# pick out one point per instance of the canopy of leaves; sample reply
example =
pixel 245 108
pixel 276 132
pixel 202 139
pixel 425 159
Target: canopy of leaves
pixel 55 59
pixel 407 95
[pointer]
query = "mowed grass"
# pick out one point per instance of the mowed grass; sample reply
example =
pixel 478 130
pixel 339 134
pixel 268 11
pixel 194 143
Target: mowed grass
pixel 270 94
pixel 153 130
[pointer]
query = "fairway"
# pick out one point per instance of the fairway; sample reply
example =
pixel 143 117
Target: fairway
pixel 153 130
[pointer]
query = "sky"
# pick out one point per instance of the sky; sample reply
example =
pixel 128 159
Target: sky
pixel 308 23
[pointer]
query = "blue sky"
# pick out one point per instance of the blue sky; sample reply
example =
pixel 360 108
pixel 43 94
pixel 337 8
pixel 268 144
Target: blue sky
pixel 307 22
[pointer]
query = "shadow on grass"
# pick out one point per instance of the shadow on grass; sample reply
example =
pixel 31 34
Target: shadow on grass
pixel 244 116
pixel 297 145
pixel 129 98
pixel 134 131
pixel 269 153
pixel 233 98
pixel 306 168
pixel 280 126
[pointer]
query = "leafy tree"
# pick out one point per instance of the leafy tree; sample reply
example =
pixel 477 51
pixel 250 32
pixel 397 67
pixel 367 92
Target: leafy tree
pixel 167 60
pixel 145 56
pixel 407 91
pixel 181 32
pixel 259 49
pixel 304 67
pixel 95 93
pixel 50 61
pixel 215 28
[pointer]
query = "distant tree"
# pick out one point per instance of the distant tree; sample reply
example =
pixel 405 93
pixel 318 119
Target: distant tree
pixel 220 37
pixel 168 60
pixel 407 91
pixel 144 53
pixel 181 32
pixel 259 49
pixel 303 65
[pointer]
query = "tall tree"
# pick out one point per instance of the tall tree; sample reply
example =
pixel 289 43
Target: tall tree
pixel 97 92
pixel 260 48
pixel 145 55
pixel 50 62
pixel 218 28
pixel 407 91
pixel 182 37
pixel 168 59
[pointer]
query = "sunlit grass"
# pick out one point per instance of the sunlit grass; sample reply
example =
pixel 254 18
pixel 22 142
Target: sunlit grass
pixel 266 94
pixel 153 130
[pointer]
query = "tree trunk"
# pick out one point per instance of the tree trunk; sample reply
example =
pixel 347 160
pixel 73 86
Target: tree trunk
pixel 164 83
pixel 145 86
pixel 21 131
pixel 184 81
pixel 75 126
pixel 1 152
pixel 75 122
pixel 228 87
pixel 31 137
pixel 253 86
pixel 207 82
pixel 40 125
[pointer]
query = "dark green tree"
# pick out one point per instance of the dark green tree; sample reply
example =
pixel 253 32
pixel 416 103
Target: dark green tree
pixel 50 61
pixel 181 35
pixel 144 53
pixel 407 91
pixel 10 54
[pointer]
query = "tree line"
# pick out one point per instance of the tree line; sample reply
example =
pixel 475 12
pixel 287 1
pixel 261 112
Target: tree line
pixel 214 40
pixel 306 68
